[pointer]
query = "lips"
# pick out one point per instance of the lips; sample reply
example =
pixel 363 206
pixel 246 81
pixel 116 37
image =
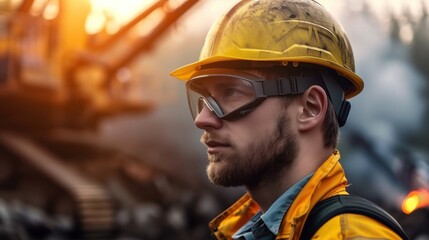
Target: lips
pixel 215 143
pixel 215 146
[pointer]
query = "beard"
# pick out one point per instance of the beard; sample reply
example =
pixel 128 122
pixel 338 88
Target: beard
pixel 261 161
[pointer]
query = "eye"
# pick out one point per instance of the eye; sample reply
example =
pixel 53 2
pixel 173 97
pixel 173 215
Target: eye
pixel 230 92
pixel 235 94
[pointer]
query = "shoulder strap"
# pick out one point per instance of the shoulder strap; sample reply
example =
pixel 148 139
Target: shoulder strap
pixel 336 205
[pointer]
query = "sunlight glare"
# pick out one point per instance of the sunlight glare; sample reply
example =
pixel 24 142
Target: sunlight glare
pixel 112 14
pixel 37 7
pixel 95 23
pixel 51 10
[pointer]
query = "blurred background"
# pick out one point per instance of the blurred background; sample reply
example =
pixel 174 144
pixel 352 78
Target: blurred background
pixel 96 141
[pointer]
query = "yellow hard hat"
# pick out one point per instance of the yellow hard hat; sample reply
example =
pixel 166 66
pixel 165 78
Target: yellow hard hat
pixel 279 30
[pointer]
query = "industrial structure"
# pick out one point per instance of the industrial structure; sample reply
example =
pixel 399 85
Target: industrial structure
pixel 55 75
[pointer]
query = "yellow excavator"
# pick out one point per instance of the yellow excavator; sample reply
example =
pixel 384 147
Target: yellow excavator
pixel 56 75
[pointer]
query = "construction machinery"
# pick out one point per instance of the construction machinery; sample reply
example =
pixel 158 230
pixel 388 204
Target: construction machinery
pixel 54 75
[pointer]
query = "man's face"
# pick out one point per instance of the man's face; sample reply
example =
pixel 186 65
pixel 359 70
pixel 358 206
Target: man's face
pixel 251 149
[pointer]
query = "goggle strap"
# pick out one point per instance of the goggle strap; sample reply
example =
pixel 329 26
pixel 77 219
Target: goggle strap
pixel 289 85
pixel 336 95
pixel 293 85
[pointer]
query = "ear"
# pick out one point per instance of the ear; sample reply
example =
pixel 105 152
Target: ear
pixel 314 105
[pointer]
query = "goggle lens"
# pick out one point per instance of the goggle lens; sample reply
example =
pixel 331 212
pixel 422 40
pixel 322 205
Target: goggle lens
pixel 231 93
pixel 224 94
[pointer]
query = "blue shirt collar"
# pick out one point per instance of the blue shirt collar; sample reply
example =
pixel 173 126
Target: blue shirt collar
pixel 274 215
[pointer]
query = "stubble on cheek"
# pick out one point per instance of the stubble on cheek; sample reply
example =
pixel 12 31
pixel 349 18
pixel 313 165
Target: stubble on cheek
pixel 226 168
pixel 261 160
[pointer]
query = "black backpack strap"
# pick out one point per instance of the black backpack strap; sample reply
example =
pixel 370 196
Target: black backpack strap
pixel 336 205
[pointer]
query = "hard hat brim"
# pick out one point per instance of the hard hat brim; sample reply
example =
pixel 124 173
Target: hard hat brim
pixel 185 73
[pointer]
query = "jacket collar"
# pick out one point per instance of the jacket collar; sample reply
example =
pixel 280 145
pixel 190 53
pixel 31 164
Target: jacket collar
pixel 328 180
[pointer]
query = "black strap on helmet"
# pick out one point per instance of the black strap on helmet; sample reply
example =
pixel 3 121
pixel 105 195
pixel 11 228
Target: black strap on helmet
pixel 336 95
pixel 329 81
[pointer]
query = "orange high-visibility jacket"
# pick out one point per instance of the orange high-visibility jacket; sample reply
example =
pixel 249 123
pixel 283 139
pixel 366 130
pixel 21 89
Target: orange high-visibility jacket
pixel 328 180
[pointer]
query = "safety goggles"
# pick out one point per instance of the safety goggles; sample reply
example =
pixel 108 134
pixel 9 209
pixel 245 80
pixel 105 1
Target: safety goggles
pixel 231 94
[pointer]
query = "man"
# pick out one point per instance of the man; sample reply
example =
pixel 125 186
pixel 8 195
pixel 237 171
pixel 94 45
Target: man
pixel 270 93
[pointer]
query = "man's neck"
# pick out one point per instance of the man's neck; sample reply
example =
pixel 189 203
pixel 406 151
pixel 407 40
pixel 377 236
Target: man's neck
pixel 266 192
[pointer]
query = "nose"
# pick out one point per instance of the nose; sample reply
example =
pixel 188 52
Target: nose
pixel 207 119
